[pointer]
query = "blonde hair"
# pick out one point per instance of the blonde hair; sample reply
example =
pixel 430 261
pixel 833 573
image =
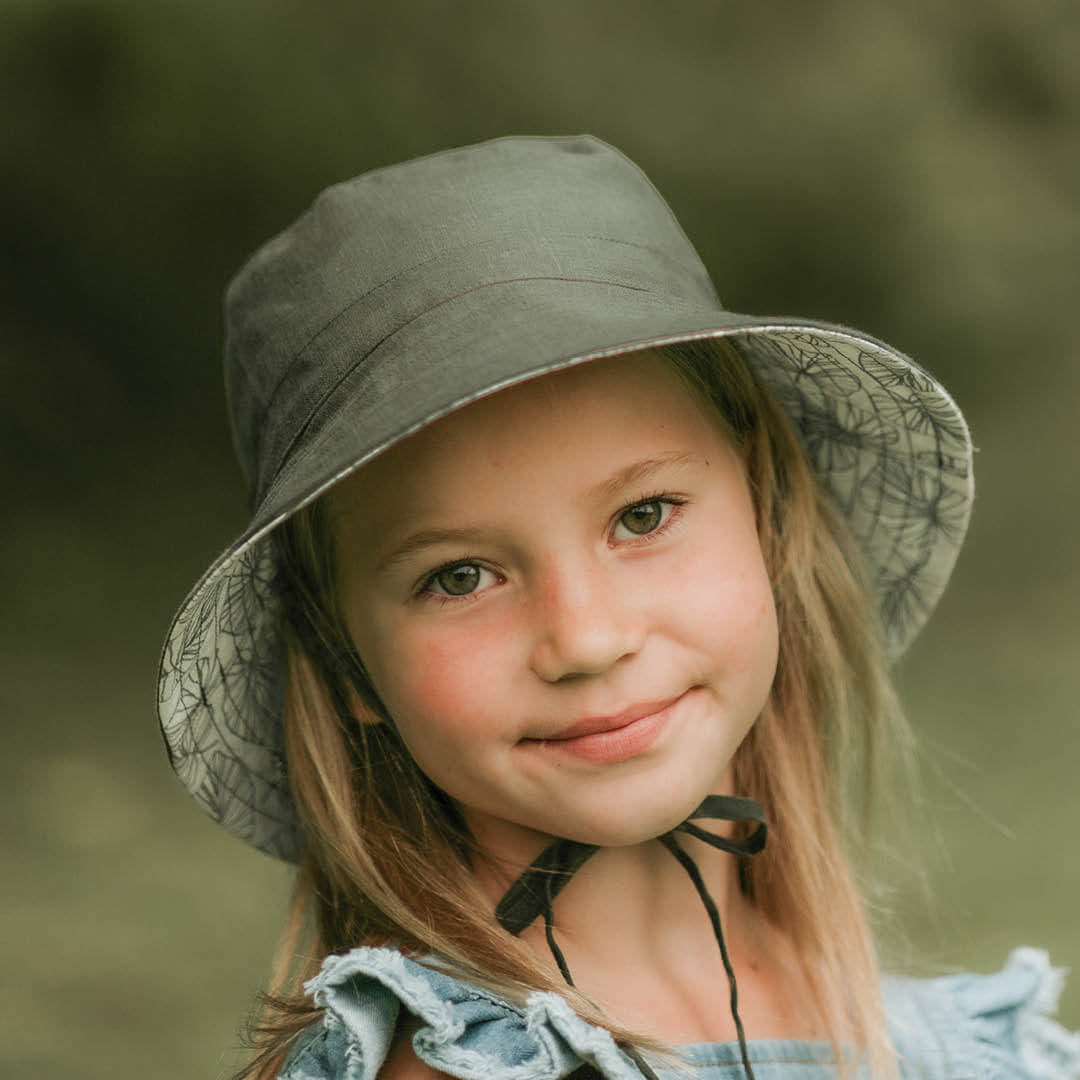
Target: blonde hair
pixel 387 857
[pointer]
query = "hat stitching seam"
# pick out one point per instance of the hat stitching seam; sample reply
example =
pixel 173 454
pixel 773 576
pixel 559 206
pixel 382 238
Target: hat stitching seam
pixel 284 455
pixel 268 401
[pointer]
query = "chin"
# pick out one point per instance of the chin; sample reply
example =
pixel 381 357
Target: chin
pixel 628 830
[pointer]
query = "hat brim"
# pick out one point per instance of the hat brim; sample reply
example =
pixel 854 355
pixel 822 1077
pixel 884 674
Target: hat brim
pixel 886 439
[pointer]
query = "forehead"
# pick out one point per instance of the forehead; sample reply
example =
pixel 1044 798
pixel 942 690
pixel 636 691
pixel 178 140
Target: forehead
pixel 589 418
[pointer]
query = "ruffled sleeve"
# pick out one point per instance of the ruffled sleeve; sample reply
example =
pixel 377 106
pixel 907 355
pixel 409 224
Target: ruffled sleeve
pixel 1012 1018
pixel 466 1031
pixel 989 1027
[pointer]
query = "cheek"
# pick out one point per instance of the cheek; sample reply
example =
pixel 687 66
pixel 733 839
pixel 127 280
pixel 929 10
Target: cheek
pixel 729 598
pixel 446 679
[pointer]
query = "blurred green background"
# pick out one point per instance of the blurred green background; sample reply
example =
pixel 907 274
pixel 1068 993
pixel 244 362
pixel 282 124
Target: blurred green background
pixel 911 169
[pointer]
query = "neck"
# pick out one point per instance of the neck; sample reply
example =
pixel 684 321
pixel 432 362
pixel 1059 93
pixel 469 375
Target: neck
pixel 635 933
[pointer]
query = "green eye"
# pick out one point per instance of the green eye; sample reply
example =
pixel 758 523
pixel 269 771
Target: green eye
pixel 457 580
pixel 643 518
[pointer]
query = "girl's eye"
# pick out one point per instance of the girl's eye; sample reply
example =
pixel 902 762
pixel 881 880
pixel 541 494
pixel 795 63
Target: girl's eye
pixel 644 517
pixel 457 580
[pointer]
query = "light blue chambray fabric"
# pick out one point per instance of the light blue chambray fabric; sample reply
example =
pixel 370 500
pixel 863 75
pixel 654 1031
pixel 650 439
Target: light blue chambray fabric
pixel 959 1027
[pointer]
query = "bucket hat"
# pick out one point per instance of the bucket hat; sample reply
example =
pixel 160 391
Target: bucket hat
pixel 408 292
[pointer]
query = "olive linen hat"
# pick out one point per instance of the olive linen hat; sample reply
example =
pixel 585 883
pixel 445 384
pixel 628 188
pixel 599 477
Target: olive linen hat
pixel 409 291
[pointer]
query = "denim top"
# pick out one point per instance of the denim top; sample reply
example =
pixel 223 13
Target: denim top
pixel 957 1027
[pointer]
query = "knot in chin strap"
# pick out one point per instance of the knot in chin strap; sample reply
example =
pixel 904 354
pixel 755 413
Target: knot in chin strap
pixel 535 890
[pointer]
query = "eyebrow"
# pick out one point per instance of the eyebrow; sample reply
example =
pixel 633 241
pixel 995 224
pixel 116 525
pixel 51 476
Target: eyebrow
pixel 636 472
pixel 429 538
pixel 630 474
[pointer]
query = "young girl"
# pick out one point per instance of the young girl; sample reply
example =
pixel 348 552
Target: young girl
pixel 563 586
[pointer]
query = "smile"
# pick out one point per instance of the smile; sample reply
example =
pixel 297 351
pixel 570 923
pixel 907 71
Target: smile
pixel 604 739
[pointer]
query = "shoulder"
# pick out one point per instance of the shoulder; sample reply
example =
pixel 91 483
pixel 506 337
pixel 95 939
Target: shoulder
pixel 389 1016
pixel 373 1002
pixel 992 1027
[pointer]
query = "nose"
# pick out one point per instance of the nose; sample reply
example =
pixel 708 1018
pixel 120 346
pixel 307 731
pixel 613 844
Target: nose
pixel 584 624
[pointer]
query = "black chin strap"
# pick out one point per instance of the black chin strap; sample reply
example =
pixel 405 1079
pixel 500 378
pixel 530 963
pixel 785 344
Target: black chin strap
pixel 534 892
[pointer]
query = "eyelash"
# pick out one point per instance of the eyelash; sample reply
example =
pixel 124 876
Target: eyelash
pixel 676 503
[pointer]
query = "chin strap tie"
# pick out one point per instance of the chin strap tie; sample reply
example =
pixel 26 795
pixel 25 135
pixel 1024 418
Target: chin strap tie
pixel 534 893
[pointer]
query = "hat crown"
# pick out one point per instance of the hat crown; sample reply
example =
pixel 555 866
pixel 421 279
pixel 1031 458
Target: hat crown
pixel 393 245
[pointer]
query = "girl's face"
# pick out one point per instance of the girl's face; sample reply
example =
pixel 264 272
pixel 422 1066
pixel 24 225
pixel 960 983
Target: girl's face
pixel 559 594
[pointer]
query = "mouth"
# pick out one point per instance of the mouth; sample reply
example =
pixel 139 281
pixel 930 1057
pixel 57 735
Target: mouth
pixel 616 737
pixel 595 725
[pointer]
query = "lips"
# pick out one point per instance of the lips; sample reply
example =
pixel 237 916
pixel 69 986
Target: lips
pixel 593 725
